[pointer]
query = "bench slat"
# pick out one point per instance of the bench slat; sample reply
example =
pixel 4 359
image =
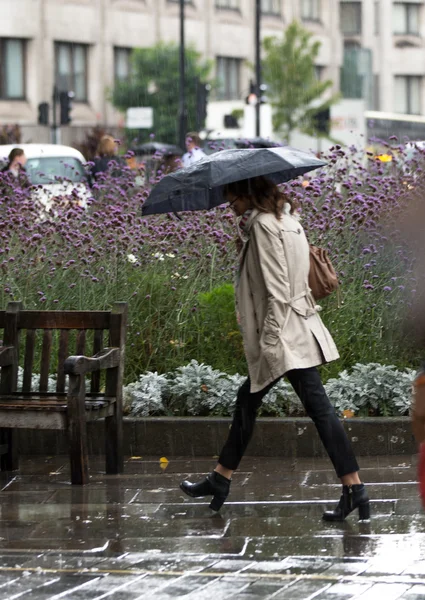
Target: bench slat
pixel 97 347
pixel 29 360
pixel 80 349
pixel 45 360
pixel 62 356
pixel 17 403
pixel 73 319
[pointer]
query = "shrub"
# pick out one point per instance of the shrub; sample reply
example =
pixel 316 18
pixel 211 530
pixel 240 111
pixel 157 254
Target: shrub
pixel 372 389
pixel 199 390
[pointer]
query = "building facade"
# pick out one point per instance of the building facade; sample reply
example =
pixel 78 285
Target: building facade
pixel 371 49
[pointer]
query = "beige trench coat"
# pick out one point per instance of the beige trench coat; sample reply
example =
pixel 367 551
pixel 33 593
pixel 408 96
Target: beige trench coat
pixel 280 324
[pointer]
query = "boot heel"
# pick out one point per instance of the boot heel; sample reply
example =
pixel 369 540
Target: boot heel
pixel 217 502
pixel 364 512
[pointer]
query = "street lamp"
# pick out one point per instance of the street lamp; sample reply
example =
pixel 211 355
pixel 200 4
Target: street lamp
pixel 257 66
pixel 182 97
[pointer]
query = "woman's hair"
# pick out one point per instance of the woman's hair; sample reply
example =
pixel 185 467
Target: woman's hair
pixel 263 194
pixel 14 154
pixel 193 136
pixel 106 146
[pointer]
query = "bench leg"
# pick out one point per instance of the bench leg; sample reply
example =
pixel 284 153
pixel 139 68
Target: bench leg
pixel 77 431
pixel 113 443
pixel 78 455
pixel 10 460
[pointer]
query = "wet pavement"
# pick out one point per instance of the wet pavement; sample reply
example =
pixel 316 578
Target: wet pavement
pixel 136 536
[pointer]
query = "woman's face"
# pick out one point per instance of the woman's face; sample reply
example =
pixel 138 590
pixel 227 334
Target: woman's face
pixel 238 204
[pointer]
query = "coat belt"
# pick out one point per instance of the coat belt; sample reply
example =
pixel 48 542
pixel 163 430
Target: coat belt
pixel 305 311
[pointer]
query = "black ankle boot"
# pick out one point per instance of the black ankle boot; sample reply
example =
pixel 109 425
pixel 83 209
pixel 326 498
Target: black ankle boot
pixel 214 484
pixel 353 496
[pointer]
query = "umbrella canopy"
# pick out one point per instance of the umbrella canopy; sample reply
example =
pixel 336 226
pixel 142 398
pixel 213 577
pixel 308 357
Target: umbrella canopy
pixel 200 186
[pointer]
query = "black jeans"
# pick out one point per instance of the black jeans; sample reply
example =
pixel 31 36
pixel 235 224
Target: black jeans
pixel 309 388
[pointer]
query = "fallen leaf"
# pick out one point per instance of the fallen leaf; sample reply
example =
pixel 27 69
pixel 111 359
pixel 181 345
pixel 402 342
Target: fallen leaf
pixel 163 463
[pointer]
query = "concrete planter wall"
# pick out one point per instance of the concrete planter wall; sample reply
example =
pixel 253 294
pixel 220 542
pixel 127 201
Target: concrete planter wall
pixel 204 436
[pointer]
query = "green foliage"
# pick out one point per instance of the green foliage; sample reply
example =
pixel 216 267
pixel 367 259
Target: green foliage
pixel 289 71
pixel 155 82
pixel 218 339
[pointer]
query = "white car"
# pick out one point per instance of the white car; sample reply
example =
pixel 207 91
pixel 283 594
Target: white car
pixel 56 171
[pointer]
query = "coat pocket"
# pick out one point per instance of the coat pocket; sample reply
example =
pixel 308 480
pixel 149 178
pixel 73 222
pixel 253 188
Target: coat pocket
pixel 271 332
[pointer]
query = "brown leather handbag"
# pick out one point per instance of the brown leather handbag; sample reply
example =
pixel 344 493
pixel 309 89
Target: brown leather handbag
pixel 322 277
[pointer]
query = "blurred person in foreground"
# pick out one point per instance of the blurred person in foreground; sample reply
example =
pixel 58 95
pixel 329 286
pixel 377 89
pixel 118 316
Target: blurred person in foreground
pixel 283 335
pixel 194 151
pixel 106 158
pixel 410 224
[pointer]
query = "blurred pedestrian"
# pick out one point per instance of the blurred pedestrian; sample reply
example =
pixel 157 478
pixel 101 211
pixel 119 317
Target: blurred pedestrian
pixel 194 151
pixel 170 163
pixel 16 162
pixel 106 158
pixel 283 335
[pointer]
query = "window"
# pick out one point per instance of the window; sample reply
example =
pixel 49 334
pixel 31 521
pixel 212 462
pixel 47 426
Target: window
pixel 122 64
pixel 318 71
pixel 12 69
pixel 407 94
pixel 230 4
pixel 271 7
pixel 406 18
pixel 228 75
pixel 376 95
pixel 71 69
pixel 351 17
pixel 310 10
pixel 376 16
pixel 51 169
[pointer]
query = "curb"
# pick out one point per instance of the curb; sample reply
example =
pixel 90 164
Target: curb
pixel 204 436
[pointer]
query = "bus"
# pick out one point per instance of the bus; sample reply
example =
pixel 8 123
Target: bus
pixel 381 126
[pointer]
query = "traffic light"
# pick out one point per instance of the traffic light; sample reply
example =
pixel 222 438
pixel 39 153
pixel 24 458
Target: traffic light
pixel 65 107
pixel 202 93
pixel 263 91
pixel 43 113
pixel 322 121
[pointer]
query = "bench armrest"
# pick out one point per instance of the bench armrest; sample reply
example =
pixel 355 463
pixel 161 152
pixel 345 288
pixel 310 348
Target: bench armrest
pixel 80 365
pixel 7 356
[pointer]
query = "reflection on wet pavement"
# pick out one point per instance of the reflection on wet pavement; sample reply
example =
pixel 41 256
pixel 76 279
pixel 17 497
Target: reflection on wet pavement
pixel 137 536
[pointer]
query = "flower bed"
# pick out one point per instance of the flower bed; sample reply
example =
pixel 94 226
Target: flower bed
pixel 177 276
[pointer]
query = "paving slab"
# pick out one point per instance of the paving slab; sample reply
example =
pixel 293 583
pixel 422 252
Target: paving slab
pixel 135 535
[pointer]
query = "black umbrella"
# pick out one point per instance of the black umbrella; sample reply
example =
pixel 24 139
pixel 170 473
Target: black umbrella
pixel 200 186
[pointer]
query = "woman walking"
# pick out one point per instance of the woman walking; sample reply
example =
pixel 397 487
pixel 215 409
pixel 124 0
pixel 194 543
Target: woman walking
pixel 106 158
pixel 283 335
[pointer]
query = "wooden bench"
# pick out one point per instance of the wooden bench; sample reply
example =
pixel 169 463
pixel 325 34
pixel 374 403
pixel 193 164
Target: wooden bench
pixel 69 407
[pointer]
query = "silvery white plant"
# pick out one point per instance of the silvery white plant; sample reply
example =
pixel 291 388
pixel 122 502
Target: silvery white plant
pixel 145 396
pixel 281 400
pixel 198 389
pixel 35 381
pixel 372 385
pixel 202 387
